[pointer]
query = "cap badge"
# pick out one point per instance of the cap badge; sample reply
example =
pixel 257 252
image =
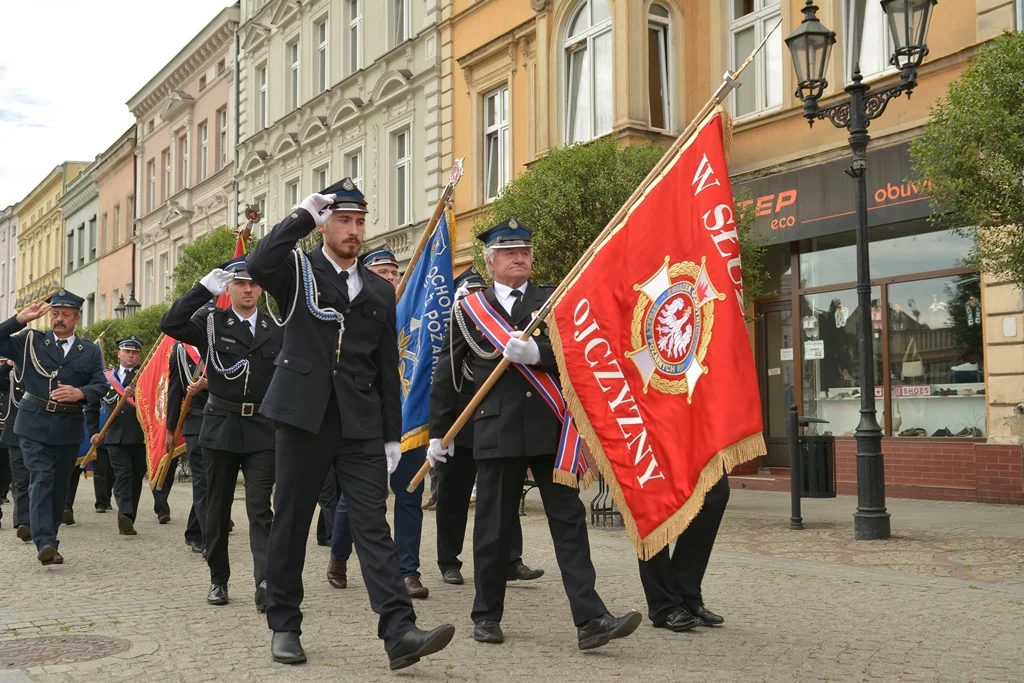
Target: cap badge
pixel 512 223
pixel 348 185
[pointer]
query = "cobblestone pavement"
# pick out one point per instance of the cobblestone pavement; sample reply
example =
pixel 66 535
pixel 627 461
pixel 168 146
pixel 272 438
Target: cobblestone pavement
pixel 800 606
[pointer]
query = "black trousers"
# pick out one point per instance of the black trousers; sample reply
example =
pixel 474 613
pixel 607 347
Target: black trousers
pixel 195 529
pixel 673 582
pixel 19 487
pixel 455 479
pixel 160 505
pixel 103 478
pixel 328 503
pixel 129 464
pixel 73 482
pixel 5 472
pixel 303 460
pixel 498 492
pixel 222 475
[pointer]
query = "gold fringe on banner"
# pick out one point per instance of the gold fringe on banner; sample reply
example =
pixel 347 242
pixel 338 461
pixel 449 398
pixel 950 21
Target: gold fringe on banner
pixel 416 438
pixel 745 450
pixel 726 132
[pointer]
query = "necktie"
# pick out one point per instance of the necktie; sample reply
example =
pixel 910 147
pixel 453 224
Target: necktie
pixel 517 304
pixel 344 285
pixel 63 347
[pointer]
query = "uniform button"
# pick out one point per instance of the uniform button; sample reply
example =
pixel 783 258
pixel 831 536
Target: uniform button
pixel 295 215
pixel 347 311
pixel 529 394
pixel 286 361
pixel 334 372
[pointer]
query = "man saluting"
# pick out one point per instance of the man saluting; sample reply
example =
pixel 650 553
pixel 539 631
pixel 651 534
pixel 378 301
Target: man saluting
pixel 336 397
pixel 60 373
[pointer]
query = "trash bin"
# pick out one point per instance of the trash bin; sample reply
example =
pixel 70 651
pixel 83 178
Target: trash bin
pixel 818 467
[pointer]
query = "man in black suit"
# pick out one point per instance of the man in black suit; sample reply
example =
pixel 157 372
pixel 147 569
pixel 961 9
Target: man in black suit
pixel 234 434
pixel 336 398
pixel 19 473
pixel 124 440
pixel 515 429
pixel 672 584
pixel 179 385
pixel 457 476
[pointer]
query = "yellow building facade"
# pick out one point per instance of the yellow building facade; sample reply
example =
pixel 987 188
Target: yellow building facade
pixel 41 237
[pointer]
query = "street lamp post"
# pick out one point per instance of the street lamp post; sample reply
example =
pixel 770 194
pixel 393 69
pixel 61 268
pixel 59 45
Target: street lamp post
pixel 133 305
pixel 120 308
pixel 810 45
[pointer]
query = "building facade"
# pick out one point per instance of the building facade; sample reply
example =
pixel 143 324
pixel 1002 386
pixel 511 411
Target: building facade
pixel 185 166
pixel 115 184
pixel 8 261
pixel 522 78
pixel 334 89
pixel 948 342
pixel 41 237
pixel 78 206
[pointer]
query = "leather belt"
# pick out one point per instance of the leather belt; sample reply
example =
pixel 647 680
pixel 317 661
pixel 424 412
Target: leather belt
pixel 52 406
pixel 244 409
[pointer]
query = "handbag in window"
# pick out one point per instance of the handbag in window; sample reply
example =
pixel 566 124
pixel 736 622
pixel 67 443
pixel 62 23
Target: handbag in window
pixel 913 366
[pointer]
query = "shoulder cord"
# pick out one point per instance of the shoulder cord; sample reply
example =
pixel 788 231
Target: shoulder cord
pixel 183 368
pixel 235 371
pixel 457 314
pixel 461 319
pixel 30 349
pixel 305 281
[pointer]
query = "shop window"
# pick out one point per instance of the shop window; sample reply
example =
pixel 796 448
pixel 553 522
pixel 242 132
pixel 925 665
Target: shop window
pixel 658 61
pixel 588 72
pixel 750 22
pixel 778 264
pixel 830 332
pixel 935 357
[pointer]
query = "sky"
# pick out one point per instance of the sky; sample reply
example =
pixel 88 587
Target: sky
pixel 67 67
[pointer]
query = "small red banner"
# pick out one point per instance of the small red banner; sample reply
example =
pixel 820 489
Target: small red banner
pixel 151 402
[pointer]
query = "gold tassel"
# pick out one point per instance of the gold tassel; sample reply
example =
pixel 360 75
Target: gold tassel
pixel 560 476
pixel 726 131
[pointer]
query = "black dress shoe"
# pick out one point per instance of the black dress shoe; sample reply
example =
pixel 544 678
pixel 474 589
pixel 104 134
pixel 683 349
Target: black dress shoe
pixel 601 630
pixel 706 617
pixel 218 594
pixel 523 573
pixel 24 533
pixel 199 548
pixel 453 577
pixel 100 509
pixel 286 648
pixel 163 519
pixel 261 597
pixel 679 620
pixel 126 526
pixel 488 632
pixel 69 517
pixel 416 589
pixel 46 554
pixel 418 643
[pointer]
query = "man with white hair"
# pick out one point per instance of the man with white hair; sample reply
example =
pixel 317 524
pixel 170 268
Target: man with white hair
pixel 514 428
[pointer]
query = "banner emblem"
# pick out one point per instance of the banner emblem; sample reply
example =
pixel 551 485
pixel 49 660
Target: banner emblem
pixel 672 324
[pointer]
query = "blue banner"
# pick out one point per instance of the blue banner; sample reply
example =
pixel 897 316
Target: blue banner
pixel 423 316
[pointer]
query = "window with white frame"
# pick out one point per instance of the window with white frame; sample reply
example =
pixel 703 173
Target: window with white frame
pixel 163 288
pixel 71 250
pixel 588 71
pixel 496 150
pixel 81 245
pixel 183 161
pixel 291 193
pixel 354 14
pixel 204 144
pixel 167 174
pixel 401 191
pixel 292 50
pixel 92 239
pixel 117 225
pixel 322 37
pixel 399 21
pixel 222 145
pixel 1020 15
pixel 261 206
pixel 151 187
pixel 319 178
pixel 750 22
pixel 261 101
pixel 659 59
pixel 876 42
pixel 149 282
pixel 354 167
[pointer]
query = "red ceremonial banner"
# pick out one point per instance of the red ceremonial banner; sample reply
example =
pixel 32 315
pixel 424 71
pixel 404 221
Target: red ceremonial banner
pixel 151 406
pixel 652 344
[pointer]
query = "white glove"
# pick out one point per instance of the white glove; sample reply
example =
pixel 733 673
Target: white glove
pixel 522 352
pixel 462 292
pixel 216 281
pixel 316 205
pixel 393 452
pixel 436 454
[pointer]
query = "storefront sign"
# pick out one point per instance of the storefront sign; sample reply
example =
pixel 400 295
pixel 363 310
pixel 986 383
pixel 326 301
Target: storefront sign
pixel 907 391
pixel 814 350
pixel 819 200
pixel 786 354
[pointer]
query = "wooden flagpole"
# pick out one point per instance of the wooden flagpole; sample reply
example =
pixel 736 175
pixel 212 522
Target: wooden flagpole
pixel 728 84
pixel 442 203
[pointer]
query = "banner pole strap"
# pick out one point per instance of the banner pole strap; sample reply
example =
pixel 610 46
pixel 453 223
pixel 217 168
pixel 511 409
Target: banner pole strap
pixel 729 83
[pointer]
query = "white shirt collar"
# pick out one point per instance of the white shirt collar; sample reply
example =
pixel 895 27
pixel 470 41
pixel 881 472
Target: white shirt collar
pixel 70 340
pixel 504 292
pixel 123 370
pixel 251 320
pixel 337 269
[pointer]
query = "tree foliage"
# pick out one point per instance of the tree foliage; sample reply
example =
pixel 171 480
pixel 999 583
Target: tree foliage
pixel 570 195
pixel 972 155
pixel 144 325
pixel 199 258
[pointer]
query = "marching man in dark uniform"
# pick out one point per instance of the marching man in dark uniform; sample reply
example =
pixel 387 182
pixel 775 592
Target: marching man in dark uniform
pixel 234 434
pixel 336 398
pixel 179 384
pixel 19 473
pixel 458 474
pixel 515 429
pixel 124 440
pixel 60 374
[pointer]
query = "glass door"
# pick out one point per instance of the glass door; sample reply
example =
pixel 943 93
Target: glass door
pixel 776 378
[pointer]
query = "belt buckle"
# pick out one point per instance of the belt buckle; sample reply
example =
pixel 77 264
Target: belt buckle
pixel 51 406
pixel 248 409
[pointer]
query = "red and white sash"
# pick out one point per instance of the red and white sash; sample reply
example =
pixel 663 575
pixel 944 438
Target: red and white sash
pixel 118 387
pixel 497 331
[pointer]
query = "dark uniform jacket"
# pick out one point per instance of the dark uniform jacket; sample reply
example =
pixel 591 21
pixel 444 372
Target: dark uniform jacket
pixel 222 429
pixel 125 430
pixel 9 410
pixel 176 385
pixel 5 392
pixel 82 367
pixel 365 378
pixel 513 420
